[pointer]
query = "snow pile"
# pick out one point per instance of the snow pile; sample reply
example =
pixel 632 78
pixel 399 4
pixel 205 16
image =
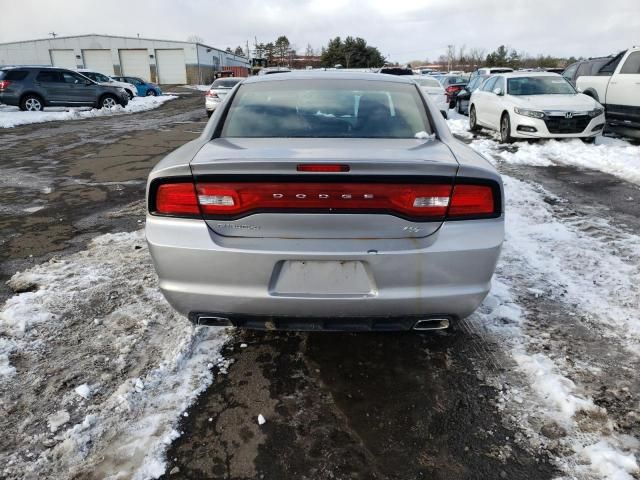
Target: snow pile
pixel 200 88
pixel 106 366
pixel 545 257
pixel 609 155
pixel 12 116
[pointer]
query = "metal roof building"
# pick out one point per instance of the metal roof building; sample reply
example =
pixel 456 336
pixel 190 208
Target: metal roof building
pixel 160 61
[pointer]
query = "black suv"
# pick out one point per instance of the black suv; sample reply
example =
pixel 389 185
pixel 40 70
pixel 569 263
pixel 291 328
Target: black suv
pixel 33 88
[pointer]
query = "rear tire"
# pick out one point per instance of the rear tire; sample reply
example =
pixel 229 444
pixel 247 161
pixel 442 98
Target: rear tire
pixel 505 129
pixel 107 101
pixel 31 103
pixel 589 140
pixel 473 121
pixel 444 114
pixel 130 93
pixel 209 113
pixel 459 107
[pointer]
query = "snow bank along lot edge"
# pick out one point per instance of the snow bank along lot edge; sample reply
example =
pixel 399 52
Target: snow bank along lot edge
pixel 13 117
pixel 96 369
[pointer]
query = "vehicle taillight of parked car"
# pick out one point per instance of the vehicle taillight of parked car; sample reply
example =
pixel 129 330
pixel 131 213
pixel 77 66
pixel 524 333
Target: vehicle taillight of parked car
pixel 418 202
pixel 211 93
pixel 4 84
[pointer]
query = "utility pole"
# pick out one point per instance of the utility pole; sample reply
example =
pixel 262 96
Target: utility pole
pixel 53 34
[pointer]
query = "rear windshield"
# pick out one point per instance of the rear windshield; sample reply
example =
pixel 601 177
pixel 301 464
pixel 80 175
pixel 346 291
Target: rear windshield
pixel 555 85
pixel 15 75
pixel 428 82
pixel 226 82
pixel 328 108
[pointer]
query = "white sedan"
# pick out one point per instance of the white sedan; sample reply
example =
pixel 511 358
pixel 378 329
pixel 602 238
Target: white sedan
pixel 103 79
pixel 435 91
pixel 534 105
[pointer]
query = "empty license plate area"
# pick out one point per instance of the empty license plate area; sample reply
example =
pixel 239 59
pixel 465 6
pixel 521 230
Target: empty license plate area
pixel 321 278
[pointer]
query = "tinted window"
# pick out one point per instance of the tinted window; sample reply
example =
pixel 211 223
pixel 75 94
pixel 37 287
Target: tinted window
pixel 611 65
pixel 631 64
pixel 73 78
pixel 96 77
pixel 568 73
pixel 555 85
pixel 49 76
pixel 488 85
pixel 226 82
pixel 326 108
pixel 15 75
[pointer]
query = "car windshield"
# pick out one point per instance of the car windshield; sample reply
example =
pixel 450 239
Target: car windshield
pixel 428 82
pixel 555 85
pixel 226 82
pixel 327 108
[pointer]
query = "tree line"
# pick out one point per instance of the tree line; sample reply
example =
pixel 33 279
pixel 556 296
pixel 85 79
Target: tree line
pixel 468 59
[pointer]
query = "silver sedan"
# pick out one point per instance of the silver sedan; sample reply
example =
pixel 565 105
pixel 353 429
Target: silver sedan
pixel 325 201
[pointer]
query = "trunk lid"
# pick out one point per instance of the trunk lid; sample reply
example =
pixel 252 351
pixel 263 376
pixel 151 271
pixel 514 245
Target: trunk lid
pixel 381 164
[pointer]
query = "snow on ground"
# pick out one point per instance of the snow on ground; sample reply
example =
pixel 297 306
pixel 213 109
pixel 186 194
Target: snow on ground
pixel 589 268
pixel 102 362
pixel 609 155
pixel 12 116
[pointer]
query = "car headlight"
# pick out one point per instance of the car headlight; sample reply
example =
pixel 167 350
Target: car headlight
pixel 596 112
pixel 528 113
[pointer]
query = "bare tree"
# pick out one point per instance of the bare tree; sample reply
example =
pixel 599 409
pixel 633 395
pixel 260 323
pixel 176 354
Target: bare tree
pixel 451 56
pixel 309 51
pixel 462 59
pixel 195 39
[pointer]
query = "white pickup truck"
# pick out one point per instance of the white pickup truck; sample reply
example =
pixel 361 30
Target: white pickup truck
pixel 617 87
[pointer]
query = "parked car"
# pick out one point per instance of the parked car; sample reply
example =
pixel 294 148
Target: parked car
pixel 103 79
pixel 145 89
pixel 396 71
pixel 584 67
pixel 617 87
pixel 432 88
pixel 452 85
pixel 534 105
pixel 34 88
pixel 218 91
pixel 464 95
pixel 272 70
pixel 325 201
pixel 490 71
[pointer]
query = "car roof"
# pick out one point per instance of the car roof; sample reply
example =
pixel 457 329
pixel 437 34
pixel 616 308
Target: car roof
pixel 526 74
pixel 330 74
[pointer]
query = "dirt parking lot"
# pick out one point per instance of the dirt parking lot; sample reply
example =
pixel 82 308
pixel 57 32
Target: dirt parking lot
pixel 103 380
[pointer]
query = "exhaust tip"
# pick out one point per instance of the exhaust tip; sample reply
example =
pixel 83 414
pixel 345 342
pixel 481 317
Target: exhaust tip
pixel 432 324
pixel 213 321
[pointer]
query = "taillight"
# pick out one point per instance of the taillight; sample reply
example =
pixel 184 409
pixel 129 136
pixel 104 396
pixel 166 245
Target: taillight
pixel 453 88
pixel 176 199
pixel 4 84
pixel 420 202
pixel 472 200
pixel 211 93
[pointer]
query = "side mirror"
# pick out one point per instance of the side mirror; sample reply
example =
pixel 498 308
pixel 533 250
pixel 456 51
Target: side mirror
pixel 579 90
pixel 88 82
pixel 497 91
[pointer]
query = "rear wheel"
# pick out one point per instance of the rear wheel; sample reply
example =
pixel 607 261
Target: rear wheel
pixel 459 107
pixel 473 121
pixel 209 113
pixel 588 139
pixel 130 93
pixel 505 129
pixel 108 101
pixel 31 103
pixel 151 93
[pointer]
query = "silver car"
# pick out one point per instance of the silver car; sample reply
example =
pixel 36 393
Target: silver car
pixel 218 91
pixel 325 201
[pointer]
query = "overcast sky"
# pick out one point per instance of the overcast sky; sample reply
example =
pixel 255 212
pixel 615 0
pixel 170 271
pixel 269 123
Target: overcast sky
pixel 403 30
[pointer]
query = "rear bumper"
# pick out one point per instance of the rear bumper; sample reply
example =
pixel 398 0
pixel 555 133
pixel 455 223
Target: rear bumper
pixel 448 273
pixel 211 104
pixel 9 98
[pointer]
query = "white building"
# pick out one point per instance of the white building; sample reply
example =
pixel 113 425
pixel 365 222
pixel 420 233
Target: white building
pixel 160 61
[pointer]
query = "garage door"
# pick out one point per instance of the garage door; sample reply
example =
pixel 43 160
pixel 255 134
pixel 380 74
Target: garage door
pixel 135 63
pixel 98 60
pixel 171 66
pixel 63 58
